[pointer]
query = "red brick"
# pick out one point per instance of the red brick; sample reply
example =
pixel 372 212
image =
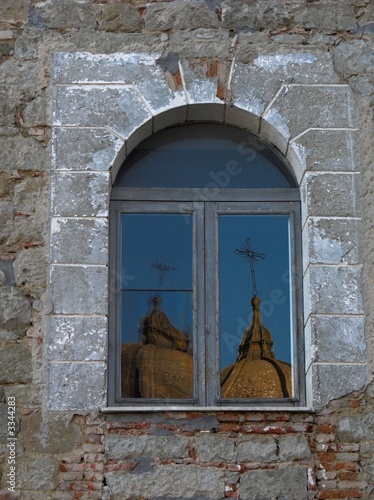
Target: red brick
pixel 93 448
pixel 342 465
pixel 94 430
pixel 73 476
pixel 326 457
pixel 335 494
pixel 229 428
pixel 93 457
pixel 348 476
pixel 93 439
pixel 228 417
pixel 126 425
pixel 263 429
pixel 325 429
pixel 93 476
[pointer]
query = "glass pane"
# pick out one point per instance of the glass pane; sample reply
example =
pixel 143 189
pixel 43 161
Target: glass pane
pixel 156 251
pixel 255 306
pixel 156 309
pixel 208 156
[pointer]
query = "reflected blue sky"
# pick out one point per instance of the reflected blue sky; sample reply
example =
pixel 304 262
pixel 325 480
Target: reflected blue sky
pixel 157 255
pixel 269 234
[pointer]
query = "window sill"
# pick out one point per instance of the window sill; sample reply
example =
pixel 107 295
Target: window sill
pixel 136 409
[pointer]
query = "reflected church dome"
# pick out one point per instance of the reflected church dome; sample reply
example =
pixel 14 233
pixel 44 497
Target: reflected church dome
pixel 256 373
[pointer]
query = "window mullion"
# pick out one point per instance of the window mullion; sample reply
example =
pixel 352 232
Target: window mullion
pixel 199 304
pixel 211 301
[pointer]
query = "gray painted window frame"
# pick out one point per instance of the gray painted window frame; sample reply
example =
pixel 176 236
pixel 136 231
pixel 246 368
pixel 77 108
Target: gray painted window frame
pixel 206 364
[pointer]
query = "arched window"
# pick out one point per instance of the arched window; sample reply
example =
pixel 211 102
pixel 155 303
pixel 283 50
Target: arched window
pixel 205 304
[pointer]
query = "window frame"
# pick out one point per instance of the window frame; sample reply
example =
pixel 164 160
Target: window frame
pixel 206 364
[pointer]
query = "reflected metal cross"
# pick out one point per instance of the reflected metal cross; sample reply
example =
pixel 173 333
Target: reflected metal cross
pixel 163 268
pixel 252 256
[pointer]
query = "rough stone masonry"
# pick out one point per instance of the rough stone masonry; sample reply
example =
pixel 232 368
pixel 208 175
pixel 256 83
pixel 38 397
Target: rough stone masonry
pixel 82 82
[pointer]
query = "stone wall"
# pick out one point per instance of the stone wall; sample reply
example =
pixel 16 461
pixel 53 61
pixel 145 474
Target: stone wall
pixel 218 53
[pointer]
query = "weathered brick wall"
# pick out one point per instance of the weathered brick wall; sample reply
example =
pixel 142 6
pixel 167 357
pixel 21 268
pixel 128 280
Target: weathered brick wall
pixel 76 454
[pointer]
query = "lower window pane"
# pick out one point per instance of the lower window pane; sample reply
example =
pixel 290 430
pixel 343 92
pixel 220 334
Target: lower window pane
pixel 255 306
pixel 156 339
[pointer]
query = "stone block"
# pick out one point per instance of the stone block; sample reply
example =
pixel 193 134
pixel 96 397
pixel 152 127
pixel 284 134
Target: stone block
pixel 58 432
pixel 126 447
pixel 100 42
pixel 179 15
pixel 9 100
pixel 335 290
pixel 84 149
pixel 62 14
pixel 30 271
pixel 21 153
pixel 289 482
pixel 204 82
pixel 215 448
pixel 332 241
pixel 26 46
pixel 21 75
pixel 294 447
pixel 299 107
pixel 118 107
pixel 144 71
pixel 79 289
pixel 256 449
pixel 30 197
pixel 249 15
pixel 77 386
pixel 353 57
pixel 14 11
pixel 242 118
pixel 4 423
pixel 37 473
pixel 256 81
pixel 364 85
pixel 323 150
pixel 15 312
pixel 201 43
pixel 82 195
pixel 332 381
pixel 15 364
pixel 356 428
pixel 74 338
pixel 169 480
pixel 35 113
pixel 6 217
pixel 329 16
pixel 331 195
pixel 334 339
pixel 118 17
pixel 79 241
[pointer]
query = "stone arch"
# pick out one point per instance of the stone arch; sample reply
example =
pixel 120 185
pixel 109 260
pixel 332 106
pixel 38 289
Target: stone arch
pixel 104 105
pixel 195 113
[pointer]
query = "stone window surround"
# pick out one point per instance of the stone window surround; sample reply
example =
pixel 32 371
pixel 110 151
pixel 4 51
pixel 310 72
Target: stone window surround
pixel 104 105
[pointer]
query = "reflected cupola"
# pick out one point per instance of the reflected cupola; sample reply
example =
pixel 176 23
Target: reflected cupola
pixel 256 373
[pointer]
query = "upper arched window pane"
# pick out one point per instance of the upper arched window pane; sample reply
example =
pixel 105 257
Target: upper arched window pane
pixel 197 155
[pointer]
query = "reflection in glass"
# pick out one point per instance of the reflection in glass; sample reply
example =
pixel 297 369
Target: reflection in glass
pixel 250 355
pixel 197 156
pixel 156 320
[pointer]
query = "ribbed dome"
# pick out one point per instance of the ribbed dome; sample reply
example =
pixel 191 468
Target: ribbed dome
pixel 256 373
pixel 160 366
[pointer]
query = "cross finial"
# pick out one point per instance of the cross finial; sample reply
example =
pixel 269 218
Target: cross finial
pixel 163 268
pixel 252 256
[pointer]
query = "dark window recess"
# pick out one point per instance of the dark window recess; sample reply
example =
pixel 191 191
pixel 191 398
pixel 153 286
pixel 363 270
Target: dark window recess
pixel 205 273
